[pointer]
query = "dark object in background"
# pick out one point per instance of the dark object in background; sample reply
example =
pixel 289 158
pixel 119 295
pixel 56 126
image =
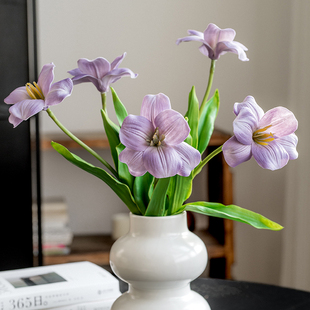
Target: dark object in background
pixel 15 149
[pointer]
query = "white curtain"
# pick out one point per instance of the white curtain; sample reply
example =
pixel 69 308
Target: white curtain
pixel 295 265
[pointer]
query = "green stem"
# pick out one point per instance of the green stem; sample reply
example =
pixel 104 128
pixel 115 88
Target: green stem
pixel 78 141
pixel 103 101
pixel 210 81
pixel 206 160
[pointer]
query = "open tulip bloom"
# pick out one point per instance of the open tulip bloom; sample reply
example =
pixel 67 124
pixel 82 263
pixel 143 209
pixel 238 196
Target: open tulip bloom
pixel 157 154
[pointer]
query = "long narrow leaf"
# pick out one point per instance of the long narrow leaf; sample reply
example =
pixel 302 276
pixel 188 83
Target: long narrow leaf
pixel 121 189
pixel 119 108
pixel 206 121
pixel 179 190
pixel 112 132
pixel 156 206
pixel 193 116
pixel 232 212
pixel 141 187
pixel 123 172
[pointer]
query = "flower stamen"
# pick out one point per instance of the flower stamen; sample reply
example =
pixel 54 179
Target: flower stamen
pixel 34 91
pixel 261 137
pixel 156 139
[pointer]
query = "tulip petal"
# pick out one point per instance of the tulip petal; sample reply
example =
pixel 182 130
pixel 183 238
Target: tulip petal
pixel 162 162
pixel 244 125
pixel 227 34
pixel 24 109
pixel 190 158
pixel 211 35
pixel 58 92
pixel 235 152
pixel 272 156
pixel 191 38
pixel 46 78
pixel 232 47
pixel 18 94
pixel 282 120
pixel 116 62
pixel 173 125
pixel 96 68
pixel 115 75
pixel 152 105
pixel 134 161
pixel 250 103
pixel 289 143
pixel 135 132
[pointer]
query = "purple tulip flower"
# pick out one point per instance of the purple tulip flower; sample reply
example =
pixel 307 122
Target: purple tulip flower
pixel 154 140
pixel 216 42
pixel 31 99
pixel 100 72
pixel 268 137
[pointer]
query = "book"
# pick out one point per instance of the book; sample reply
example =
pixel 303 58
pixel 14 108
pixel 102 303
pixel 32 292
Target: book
pixel 56 233
pixel 56 285
pixel 105 304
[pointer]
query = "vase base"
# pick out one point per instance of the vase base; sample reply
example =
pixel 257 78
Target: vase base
pixel 190 301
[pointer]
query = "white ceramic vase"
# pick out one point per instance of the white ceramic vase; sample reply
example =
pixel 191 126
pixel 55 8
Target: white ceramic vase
pixel 158 258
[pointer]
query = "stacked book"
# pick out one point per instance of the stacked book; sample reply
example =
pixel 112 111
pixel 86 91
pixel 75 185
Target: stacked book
pixel 72 286
pixel 56 233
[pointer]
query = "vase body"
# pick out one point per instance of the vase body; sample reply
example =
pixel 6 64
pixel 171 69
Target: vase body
pixel 158 258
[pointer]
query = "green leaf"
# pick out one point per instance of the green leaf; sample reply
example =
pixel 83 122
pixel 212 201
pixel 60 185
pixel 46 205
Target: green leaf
pixel 232 212
pixel 180 189
pixel 120 109
pixel 193 116
pixel 156 206
pixel 206 121
pixel 112 132
pixel 141 187
pixel 123 172
pixel 121 189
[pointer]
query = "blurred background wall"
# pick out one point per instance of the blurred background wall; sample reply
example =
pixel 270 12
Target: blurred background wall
pixel 147 31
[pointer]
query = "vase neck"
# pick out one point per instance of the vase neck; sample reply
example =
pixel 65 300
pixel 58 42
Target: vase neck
pixel 158 225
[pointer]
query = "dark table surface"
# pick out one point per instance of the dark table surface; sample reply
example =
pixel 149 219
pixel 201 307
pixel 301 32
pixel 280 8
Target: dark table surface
pixel 238 295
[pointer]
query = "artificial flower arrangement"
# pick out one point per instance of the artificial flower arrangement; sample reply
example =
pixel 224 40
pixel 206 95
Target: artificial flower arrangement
pixel 157 154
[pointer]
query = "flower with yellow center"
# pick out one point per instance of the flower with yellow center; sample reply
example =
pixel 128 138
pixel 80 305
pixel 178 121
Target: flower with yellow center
pixel 33 98
pixel 268 137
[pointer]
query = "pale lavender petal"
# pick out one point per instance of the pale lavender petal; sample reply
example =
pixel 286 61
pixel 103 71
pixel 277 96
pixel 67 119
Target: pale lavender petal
pixel 227 34
pixel 116 62
pixel 134 161
pixel 152 105
pixel 173 126
pixel 244 125
pixel 289 143
pixel 235 152
pixel 46 78
pixel 15 121
pixel 190 38
pixel 83 78
pixel 24 109
pixel 211 35
pixel 135 132
pixel 233 47
pixel 196 33
pixel 96 68
pixel 76 72
pixel 18 94
pixel 272 156
pixel 207 51
pixel 190 157
pixel 58 92
pixel 115 75
pixel 249 102
pixel 162 162
pixel 282 120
